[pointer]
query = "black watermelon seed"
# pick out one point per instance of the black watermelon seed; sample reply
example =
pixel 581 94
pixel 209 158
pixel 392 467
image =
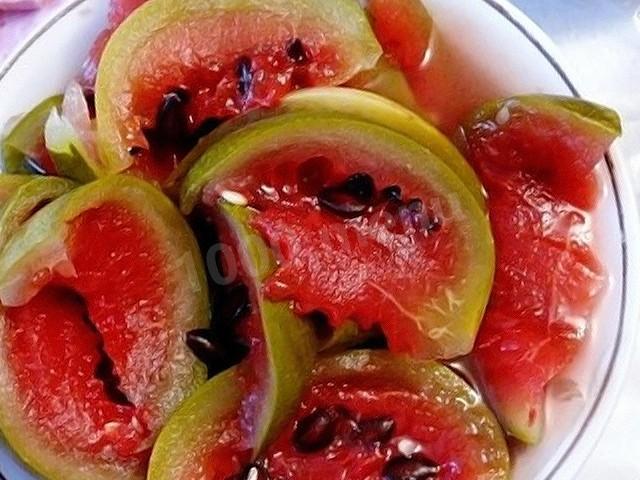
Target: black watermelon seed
pixel 172 119
pixel 392 192
pixel 376 430
pixel 341 203
pixel 296 51
pixel 135 151
pixel 206 127
pixel 252 472
pixel 216 355
pixel 415 467
pixel 244 72
pixel 361 186
pixel 234 305
pixel 320 428
pixel 90 98
pixel 32 166
pixel 434 225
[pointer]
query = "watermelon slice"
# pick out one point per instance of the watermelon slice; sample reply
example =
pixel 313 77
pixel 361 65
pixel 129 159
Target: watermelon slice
pixel 31 195
pixel 23 147
pixel 283 346
pixel 366 224
pixel 536 157
pixel 98 290
pixel 172 71
pixel 365 415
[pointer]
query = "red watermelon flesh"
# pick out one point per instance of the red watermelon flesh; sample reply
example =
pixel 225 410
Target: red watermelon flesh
pixel 115 307
pixel 536 160
pixel 333 265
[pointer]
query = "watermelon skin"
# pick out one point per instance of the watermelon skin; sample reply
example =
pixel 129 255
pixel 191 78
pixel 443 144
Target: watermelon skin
pixel 205 436
pixel 119 10
pixel 141 299
pixel 277 46
pixel 536 156
pixel 353 103
pixel 26 199
pixel 232 418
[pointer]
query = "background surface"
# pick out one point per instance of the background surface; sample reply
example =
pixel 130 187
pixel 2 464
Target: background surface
pixel 600 40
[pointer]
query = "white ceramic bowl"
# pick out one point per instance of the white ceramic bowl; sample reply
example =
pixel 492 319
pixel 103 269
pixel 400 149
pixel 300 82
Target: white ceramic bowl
pixel 505 47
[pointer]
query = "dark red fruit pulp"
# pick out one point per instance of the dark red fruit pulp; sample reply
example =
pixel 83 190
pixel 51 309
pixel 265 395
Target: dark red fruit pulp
pixel 433 431
pixel 538 171
pixel 56 343
pixel 341 265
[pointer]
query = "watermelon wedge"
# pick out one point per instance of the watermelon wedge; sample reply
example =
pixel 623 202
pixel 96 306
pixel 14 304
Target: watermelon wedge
pixel 362 220
pixel 159 89
pixel 98 290
pixel 283 346
pixel 536 156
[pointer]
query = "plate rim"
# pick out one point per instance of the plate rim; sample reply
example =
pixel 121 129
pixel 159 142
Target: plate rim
pixel 621 189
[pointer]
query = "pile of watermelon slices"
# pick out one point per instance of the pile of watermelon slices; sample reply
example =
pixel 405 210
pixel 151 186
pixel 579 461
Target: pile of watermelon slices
pixel 219 260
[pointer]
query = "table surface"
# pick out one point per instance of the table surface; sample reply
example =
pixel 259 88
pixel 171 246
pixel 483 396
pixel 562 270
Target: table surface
pixel 600 40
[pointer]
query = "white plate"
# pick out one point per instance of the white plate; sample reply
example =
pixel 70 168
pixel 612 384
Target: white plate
pixel 507 48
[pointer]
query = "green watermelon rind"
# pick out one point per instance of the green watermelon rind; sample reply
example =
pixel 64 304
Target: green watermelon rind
pixel 344 20
pixel 25 135
pixel 30 195
pixel 235 150
pixel 9 184
pixel 598 120
pixel 193 424
pixel 39 242
pixel 359 105
pixel 290 341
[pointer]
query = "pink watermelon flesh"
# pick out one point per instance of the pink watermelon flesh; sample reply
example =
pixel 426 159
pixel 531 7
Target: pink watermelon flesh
pixel 538 171
pixel 61 341
pixel 333 265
